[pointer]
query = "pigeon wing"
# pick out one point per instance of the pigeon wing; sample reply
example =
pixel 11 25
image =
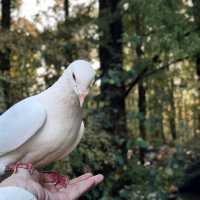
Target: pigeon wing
pixel 20 123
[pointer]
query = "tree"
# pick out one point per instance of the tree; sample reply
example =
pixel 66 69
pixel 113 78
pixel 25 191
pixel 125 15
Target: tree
pixel 69 45
pixel 156 107
pixel 158 43
pixel 111 61
pixel 5 54
pixel 172 114
pixel 141 86
pixel 66 9
pixel 196 7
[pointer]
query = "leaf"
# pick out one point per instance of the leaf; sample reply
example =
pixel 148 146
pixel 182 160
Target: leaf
pixel 141 142
pixel 169 171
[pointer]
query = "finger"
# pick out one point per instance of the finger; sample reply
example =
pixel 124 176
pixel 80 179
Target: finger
pixel 51 187
pixel 74 191
pixel 81 178
pixel 98 179
pixel 75 180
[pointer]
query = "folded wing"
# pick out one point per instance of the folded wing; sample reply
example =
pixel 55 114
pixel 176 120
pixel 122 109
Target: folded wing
pixel 19 124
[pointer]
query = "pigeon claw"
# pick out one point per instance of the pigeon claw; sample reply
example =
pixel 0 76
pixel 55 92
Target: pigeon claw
pixel 17 166
pixel 57 179
pixel 62 181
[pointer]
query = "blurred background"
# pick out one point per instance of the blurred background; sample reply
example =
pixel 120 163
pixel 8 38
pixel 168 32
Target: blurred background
pixel 143 114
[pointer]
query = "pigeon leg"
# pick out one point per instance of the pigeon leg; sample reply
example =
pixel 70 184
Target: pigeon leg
pixel 57 178
pixel 15 167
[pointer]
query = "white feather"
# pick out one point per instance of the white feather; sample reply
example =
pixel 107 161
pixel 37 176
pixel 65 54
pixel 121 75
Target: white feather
pixel 19 124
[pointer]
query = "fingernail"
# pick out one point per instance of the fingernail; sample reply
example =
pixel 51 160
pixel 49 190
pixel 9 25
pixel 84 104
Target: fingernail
pixel 99 178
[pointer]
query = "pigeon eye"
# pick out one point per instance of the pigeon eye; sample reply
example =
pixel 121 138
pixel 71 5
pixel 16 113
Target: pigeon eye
pixel 74 77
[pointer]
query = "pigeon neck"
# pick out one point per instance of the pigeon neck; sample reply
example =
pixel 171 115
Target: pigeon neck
pixel 63 85
pixel 63 81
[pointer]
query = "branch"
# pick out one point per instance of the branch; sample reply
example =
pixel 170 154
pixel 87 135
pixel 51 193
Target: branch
pixel 164 66
pixel 134 82
pixel 186 34
pixel 145 73
pixel 98 77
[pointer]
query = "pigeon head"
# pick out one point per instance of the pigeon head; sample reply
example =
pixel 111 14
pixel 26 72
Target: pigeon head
pixel 81 75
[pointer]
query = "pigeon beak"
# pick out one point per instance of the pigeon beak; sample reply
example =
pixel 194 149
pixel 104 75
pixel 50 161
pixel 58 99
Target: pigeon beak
pixel 82 98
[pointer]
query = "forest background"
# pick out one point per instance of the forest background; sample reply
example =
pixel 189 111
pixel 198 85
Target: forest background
pixel 143 114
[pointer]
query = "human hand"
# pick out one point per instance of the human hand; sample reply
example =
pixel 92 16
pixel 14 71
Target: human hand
pixel 40 185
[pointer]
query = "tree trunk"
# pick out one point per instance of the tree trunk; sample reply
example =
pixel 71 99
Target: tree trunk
pixel 196 14
pixel 5 55
pixel 111 61
pixel 142 117
pixel 172 114
pixel 70 49
pixel 198 111
pixel 141 87
pixel 162 128
pixel 66 9
pixel 6 16
pixel 157 114
pixel 142 109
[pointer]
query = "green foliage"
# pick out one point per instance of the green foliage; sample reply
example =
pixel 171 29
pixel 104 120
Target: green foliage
pixel 140 142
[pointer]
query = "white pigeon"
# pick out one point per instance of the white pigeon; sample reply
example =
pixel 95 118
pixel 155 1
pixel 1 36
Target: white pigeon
pixel 48 126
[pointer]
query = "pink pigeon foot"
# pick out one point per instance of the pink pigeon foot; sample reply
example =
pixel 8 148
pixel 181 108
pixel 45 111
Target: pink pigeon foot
pixel 57 178
pixel 15 167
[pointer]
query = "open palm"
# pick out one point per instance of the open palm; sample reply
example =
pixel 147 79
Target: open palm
pixel 40 185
